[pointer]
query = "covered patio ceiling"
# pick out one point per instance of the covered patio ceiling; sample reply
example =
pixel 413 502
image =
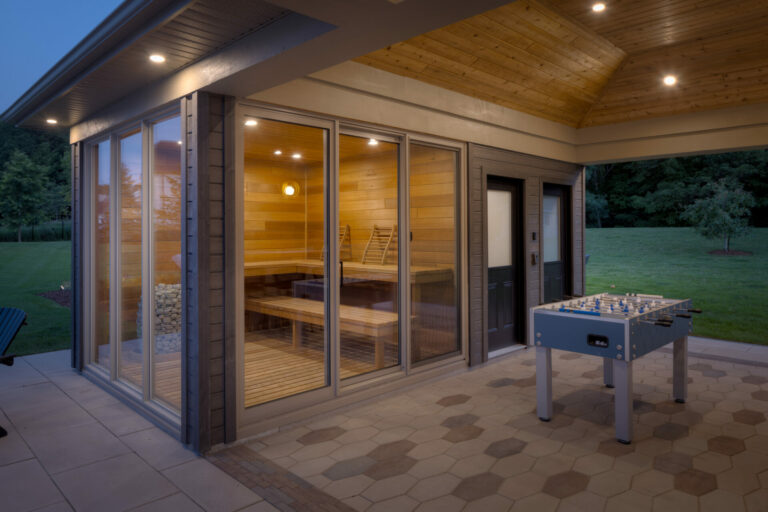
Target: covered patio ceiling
pixel 562 61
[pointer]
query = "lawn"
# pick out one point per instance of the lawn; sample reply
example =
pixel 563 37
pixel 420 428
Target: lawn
pixel 674 262
pixel 27 269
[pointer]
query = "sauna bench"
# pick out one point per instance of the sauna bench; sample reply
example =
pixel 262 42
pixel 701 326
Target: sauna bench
pixel 368 271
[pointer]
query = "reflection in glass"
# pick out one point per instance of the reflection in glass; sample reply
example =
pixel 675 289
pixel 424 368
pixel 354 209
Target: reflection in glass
pixel 368 321
pixel 101 171
pixel 434 292
pixel 130 271
pixel 551 229
pixel 165 169
pixel 284 180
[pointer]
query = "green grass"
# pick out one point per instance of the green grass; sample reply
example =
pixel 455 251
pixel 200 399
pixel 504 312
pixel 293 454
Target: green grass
pixel 29 268
pixel 674 262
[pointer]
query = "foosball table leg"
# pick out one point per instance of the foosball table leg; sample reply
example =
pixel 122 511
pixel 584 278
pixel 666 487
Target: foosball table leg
pixel 608 372
pixel 680 370
pixel 622 373
pixel 544 383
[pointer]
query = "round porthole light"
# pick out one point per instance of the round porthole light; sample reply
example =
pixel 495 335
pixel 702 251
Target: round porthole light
pixel 670 80
pixel 251 122
pixel 598 7
pixel 157 58
pixel 278 152
pixel 296 156
pixel 373 142
pixel 50 120
pixel 290 189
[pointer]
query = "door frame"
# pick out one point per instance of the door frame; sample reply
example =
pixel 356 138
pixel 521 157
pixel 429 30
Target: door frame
pixel 566 235
pixel 492 174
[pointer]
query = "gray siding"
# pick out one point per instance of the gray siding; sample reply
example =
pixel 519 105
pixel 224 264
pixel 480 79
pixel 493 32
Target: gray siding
pixel 76 279
pixel 533 172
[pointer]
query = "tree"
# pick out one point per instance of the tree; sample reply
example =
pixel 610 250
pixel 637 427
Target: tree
pixel 723 212
pixel 21 200
pixel 597 209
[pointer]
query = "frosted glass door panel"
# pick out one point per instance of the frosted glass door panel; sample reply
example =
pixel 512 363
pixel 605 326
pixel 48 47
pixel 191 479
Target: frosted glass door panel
pixel 499 228
pixel 551 229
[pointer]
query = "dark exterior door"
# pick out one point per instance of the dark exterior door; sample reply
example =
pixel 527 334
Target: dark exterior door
pixel 556 242
pixel 503 204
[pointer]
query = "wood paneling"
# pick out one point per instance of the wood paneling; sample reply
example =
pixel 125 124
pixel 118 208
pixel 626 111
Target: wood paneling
pixel 523 56
pixel 561 61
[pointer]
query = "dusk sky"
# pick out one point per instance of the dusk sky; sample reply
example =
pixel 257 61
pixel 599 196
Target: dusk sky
pixel 35 34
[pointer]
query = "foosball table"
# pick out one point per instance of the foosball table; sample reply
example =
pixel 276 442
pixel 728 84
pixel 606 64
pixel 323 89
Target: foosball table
pixel 618 328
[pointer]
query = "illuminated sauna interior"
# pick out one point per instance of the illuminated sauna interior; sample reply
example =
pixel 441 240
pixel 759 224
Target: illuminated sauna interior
pixel 284 186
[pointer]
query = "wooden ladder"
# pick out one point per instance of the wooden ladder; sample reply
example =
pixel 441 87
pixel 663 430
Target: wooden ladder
pixel 345 242
pixel 378 244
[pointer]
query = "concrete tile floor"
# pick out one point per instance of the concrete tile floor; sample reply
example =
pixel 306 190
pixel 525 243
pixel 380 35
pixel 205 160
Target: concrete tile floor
pixel 72 446
pixel 473 442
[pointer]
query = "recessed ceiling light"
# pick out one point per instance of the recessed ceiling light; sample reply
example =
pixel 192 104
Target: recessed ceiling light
pixel 278 152
pixel 670 80
pixel 157 58
pixel 251 122
pixel 178 142
pixel 373 142
pixel 598 7
pixel 50 120
pixel 296 156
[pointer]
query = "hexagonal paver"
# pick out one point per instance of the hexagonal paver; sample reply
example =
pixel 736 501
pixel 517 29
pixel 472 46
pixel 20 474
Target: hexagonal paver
pixel 670 431
pixel 593 374
pixel 500 383
pixel 748 417
pixel 478 486
pixel 459 421
pixel 614 448
pixel 760 395
pixel 695 482
pixel 673 462
pixel 566 484
pixel 392 450
pixel 715 374
pixel 669 407
pixel 321 435
pixel 527 382
pixel 453 400
pixel 567 356
pixel 348 468
pixel 505 447
pixel 689 418
pixel 390 467
pixel 463 433
pixel 700 367
pixel 726 445
pixel 642 407
pixel 754 379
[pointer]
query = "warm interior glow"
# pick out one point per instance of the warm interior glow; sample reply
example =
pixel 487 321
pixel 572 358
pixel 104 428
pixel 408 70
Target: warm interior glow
pixel 296 156
pixel 278 152
pixel 670 80
pixel 373 142
pixel 51 121
pixel 251 122
pixel 289 189
pixel 157 58
pixel 598 7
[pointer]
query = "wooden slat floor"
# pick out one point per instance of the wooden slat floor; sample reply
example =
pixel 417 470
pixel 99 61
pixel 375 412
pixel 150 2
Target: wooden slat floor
pixel 167 376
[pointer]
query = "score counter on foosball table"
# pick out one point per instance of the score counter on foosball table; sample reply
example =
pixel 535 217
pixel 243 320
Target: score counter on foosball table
pixel 618 328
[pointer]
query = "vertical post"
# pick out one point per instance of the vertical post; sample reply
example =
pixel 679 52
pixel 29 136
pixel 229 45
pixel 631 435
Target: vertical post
pixel 680 369
pixel 544 383
pixel 608 372
pixel 622 373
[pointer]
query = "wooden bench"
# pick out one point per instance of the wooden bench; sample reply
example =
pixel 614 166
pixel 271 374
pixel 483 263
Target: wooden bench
pixel 11 321
pixel 378 325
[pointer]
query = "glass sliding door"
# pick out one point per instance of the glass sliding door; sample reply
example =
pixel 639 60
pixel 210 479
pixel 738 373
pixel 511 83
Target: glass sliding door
pixel 130 339
pixel 102 200
pixel 368 250
pixel 285 286
pixel 165 172
pixel 433 265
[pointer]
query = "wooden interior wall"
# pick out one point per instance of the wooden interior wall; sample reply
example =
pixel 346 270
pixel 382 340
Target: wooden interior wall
pixel 129 178
pixel 166 212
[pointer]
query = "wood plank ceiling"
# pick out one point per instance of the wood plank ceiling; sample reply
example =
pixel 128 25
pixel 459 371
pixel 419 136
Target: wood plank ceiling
pixel 561 61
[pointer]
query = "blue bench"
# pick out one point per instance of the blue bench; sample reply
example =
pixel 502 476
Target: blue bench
pixel 11 320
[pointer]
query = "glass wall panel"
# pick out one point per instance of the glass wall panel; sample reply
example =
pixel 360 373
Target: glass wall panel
pixel 551 229
pixel 165 162
pixel 285 349
pixel 129 249
pixel 101 254
pixel 434 283
pixel 368 321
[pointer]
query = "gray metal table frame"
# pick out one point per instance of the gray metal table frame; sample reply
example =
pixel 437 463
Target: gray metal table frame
pixel 617 374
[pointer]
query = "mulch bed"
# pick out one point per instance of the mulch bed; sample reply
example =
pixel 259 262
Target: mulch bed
pixel 721 252
pixel 60 297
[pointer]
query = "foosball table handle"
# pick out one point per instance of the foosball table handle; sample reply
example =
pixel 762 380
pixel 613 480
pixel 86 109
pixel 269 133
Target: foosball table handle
pixel 694 310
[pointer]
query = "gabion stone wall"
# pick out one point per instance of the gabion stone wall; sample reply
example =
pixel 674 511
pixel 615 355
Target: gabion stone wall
pixel 167 318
